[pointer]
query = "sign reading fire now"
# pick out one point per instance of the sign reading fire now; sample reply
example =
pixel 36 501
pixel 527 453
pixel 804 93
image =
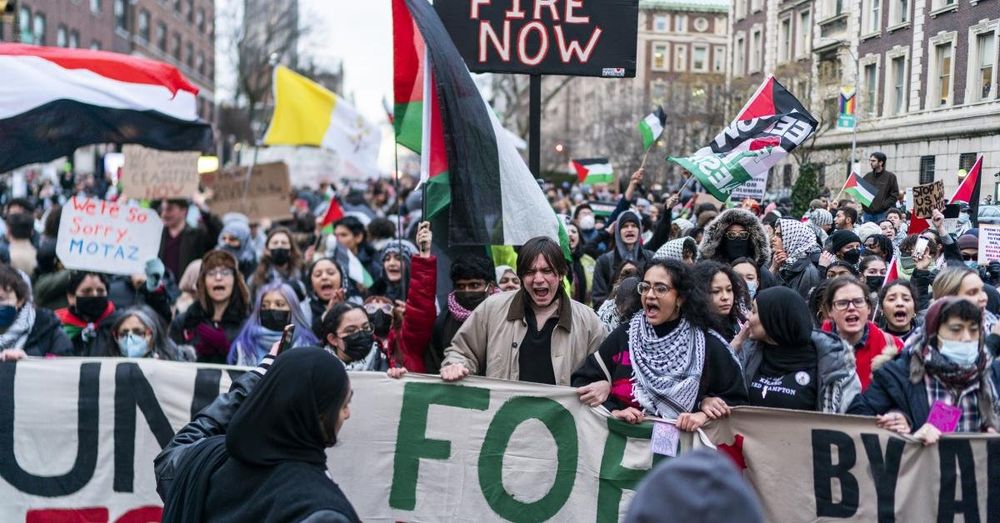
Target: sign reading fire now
pixel 562 37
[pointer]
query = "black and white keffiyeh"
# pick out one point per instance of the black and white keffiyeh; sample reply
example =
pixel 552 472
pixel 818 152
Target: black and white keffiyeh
pixel 666 371
pixel 798 240
pixel 17 334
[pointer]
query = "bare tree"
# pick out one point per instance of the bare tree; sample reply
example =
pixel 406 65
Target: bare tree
pixel 512 93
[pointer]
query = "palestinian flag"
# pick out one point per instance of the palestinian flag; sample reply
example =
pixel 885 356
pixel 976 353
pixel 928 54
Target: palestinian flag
pixel 892 273
pixel 770 125
pixel 651 127
pixel 862 191
pixel 494 199
pixel 333 213
pixel 355 269
pixel 968 190
pixel 593 170
pixel 417 110
pixel 54 100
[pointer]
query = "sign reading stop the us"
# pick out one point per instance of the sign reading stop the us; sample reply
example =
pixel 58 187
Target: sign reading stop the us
pixel 562 37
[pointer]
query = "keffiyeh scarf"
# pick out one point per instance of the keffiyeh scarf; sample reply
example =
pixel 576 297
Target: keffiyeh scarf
pixel 798 240
pixel 17 334
pixel 666 371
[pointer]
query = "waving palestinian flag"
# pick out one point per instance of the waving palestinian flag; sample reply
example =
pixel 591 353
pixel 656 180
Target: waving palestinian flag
pixel 53 100
pixel 862 191
pixel 770 125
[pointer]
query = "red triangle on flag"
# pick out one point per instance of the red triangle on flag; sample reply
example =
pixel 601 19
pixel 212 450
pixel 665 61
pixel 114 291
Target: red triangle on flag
pixel 917 225
pixel 581 170
pixel 762 105
pixel 333 213
pixel 967 188
pixel 892 273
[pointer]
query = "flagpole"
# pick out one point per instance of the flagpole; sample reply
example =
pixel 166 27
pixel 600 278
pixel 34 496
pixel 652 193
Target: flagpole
pixel 643 164
pixel 399 212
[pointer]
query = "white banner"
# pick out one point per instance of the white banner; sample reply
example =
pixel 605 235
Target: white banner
pixel 102 236
pixel 754 188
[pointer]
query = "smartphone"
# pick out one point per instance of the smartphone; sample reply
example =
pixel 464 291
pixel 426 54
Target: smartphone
pixel 286 338
pixel 920 248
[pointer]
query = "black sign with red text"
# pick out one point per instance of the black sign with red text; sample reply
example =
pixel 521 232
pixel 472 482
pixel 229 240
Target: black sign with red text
pixel 560 37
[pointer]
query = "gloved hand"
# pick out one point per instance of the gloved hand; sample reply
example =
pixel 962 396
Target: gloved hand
pixel 154 274
pixel 994 269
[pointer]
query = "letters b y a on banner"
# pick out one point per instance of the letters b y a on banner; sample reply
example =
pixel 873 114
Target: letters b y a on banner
pixel 563 37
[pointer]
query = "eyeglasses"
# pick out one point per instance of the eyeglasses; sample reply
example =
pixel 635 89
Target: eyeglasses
pixel 737 235
pixel 970 257
pixel 659 289
pixel 354 330
pixel 372 308
pixel 843 305
pixel 137 332
pixel 220 273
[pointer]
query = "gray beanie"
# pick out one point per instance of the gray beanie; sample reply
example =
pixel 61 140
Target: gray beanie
pixel 821 217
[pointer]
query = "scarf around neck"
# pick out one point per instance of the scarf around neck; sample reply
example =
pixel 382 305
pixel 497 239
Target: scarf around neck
pixel 666 370
pixel 17 334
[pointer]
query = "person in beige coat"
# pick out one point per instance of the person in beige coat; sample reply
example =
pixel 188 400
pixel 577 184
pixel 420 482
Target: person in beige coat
pixel 536 334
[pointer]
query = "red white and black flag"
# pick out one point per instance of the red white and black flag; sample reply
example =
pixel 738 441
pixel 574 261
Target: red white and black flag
pixel 54 100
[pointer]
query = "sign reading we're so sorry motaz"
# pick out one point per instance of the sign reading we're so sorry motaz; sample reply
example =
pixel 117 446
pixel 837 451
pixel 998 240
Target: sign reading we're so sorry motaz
pixel 561 37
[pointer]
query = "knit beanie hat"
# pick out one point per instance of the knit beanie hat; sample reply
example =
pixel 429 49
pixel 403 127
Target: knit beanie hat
pixel 968 241
pixel 821 217
pixel 842 238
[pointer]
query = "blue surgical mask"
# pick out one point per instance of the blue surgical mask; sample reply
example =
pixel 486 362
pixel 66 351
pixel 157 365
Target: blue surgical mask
pixel 8 313
pixel 972 264
pixel 752 287
pixel 963 353
pixel 133 346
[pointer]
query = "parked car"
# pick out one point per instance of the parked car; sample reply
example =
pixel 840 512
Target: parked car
pixel 989 214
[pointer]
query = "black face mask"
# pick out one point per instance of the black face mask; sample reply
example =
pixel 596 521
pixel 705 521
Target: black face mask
pixel 281 256
pixel 734 249
pixel 274 319
pixel 380 322
pixel 469 300
pixel 874 282
pixel 358 345
pixel 90 308
pixel 852 256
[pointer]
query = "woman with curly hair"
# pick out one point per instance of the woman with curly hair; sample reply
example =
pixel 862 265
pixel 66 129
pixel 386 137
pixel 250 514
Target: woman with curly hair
pixel 727 295
pixel 665 360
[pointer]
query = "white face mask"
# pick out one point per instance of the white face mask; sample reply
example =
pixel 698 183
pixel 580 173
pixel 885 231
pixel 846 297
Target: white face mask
pixel 964 353
pixel 587 222
pixel 752 287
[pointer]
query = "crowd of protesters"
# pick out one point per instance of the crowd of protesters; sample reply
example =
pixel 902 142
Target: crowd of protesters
pixel 663 307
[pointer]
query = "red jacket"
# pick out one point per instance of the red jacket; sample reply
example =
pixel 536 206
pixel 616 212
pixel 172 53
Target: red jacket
pixel 875 344
pixel 410 341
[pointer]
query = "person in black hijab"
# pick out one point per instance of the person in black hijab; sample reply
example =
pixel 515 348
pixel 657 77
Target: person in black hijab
pixel 257 453
pixel 789 364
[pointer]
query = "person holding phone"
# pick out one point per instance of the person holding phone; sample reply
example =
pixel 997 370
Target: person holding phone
pixel 276 307
pixel 946 383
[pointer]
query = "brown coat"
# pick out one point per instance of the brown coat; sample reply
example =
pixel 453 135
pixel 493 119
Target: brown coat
pixel 487 343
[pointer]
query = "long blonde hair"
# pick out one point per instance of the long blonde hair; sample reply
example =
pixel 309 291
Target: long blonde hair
pixel 949 281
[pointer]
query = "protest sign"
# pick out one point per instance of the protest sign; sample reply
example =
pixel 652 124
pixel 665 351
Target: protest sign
pixel 564 37
pixel 989 243
pixel 951 214
pixel 78 438
pixel 264 196
pixel 754 188
pixel 102 236
pixel 927 198
pixel 149 174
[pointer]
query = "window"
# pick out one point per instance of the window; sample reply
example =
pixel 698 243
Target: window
pixel 871 88
pixel 189 52
pixel 873 19
pixel 741 9
pixel 161 36
pixel 719 59
pixel 986 49
pixel 199 19
pixel 62 36
pixel 926 169
pixel 785 40
pixel 699 58
pixel 661 56
pixel 755 50
pixel 803 42
pixel 660 24
pixel 177 6
pixel 720 25
pixel 144 25
pixel 95 45
pixel 899 12
pixel 190 11
pixel 680 58
pixel 74 39
pixel 756 5
pixel 121 19
pixel 942 62
pixel 199 63
pixel 739 56
pixel 967 160
pixel 95 7
pixel 821 175
pixel 659 92
pixel 175 47
pixel 701 24
pixel 680 23
pixel 897 89
pixel 39 28
pixel 24 26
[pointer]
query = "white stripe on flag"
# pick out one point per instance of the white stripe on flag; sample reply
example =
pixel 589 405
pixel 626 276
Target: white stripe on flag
pixel 598 168
pixel 653 122
pixel 30 82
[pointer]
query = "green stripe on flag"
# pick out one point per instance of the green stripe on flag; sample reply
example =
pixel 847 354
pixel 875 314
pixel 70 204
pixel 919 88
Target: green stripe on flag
pixel 408 124
pixel 597 178
pixel 437 191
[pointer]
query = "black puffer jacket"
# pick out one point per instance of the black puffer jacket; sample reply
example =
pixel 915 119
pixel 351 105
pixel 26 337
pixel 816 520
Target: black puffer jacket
pixel 47 337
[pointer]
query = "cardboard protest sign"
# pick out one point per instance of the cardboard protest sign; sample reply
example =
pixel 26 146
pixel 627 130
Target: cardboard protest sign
pixel 755 188
pixel 989 243
pixel 570 37
pixel 150 174
pixel 97 235
pixel 927 198
pixel 265 195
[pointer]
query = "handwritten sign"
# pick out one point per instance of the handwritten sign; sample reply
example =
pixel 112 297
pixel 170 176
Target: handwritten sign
pixel 264 196
pixel 101 236
pixel 150 174
pixel 754 188
pixel 928 197
pixel 989 243
pixel 665 439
